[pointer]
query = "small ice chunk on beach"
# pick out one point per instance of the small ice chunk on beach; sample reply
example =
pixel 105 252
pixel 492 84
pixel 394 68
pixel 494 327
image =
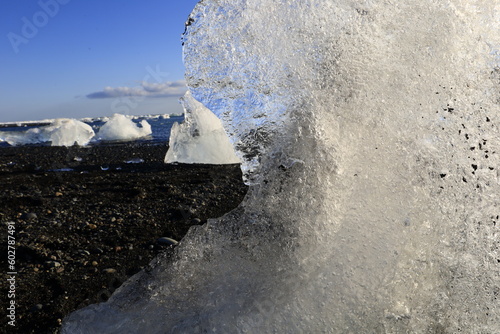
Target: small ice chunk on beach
pixel 62 170
pixel 67 132
pixel 120 127
pixel 62 132
pixel 135 161
pixel 201 138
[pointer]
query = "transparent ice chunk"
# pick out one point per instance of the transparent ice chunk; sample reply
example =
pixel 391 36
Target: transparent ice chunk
pixel 346 115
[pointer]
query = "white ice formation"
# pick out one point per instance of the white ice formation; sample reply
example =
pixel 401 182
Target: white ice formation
pixel 200 138
pixel 62 132
pixel 369 131
pixel 120 127
pixel 67 132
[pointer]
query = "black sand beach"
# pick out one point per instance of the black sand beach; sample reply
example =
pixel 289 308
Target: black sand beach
pixel 87 218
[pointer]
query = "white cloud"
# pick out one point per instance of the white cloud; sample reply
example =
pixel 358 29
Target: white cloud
pixel 146 89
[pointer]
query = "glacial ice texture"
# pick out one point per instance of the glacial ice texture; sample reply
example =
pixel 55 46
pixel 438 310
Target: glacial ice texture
pixel 200 138
pixel 62 132
pixel 120 127
pixel 369 132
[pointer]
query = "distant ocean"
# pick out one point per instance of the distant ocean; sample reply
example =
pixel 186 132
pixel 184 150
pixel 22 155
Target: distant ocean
pixel 160 126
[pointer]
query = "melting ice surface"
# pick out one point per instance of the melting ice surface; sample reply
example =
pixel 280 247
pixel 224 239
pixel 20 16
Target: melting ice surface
pixel 201 138
pixel 62 132
pixel 120 127
pixel 369 133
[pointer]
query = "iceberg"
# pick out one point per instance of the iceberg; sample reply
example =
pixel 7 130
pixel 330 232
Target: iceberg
pixel 62 132
pixel 200 138
pixel 120 127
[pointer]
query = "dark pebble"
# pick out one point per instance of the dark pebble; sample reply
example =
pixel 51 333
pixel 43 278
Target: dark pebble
pixel 52 264
pixel 83 252
pixel 167 241
pixel 29 216
pixel 97 251
pixel 36 308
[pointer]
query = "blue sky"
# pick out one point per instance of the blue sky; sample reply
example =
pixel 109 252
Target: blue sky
pixel 87 58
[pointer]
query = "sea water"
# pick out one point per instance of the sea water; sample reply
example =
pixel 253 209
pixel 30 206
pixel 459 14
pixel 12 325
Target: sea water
pixel 31 132
pixel 369 133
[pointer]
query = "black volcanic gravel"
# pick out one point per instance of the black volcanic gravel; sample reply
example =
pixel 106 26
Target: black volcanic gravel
pixel 87 218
